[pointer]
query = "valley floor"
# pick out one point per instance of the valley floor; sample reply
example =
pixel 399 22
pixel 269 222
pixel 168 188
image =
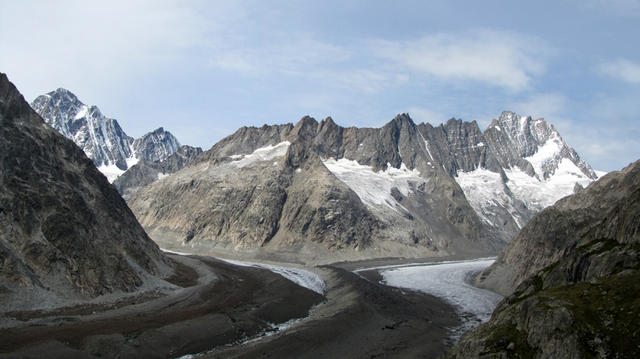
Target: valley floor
pixel 227 311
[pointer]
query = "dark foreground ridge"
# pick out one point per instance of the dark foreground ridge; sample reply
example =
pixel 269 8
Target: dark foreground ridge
pixel 65 232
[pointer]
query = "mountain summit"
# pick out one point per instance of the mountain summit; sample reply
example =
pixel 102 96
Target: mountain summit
pixel 100 137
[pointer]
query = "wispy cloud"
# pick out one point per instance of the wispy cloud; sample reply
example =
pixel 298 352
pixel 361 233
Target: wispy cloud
pixel 422 114
pixel 100 43
pixel 502 59
pixel 551 106
pixel 295 56
pixel 605 131
pixel 622 69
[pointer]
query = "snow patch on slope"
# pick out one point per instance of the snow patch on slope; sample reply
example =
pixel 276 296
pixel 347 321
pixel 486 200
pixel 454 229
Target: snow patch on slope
pixel 374 188
pixel 545 154
pixel 112 171
pixel 485 190
pixel 263 154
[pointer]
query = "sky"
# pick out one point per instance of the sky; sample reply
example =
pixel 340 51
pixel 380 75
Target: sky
pixel 202 69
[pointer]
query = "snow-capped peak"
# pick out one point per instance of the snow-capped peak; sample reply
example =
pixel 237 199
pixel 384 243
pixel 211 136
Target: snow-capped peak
pixel 101 138
pixel 535 141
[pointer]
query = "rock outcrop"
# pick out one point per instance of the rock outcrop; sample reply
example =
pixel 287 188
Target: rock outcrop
pixel 101 138
pixel 145 172
pixel 573 279
pixel 65 233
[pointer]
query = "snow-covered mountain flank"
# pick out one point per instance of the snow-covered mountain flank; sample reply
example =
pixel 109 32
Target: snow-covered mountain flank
pixel 101 138
pixel 572 280
pixel 530 167
pixel 316 190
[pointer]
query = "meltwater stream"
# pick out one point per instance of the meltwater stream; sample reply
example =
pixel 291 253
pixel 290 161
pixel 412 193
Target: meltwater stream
pixel 449 281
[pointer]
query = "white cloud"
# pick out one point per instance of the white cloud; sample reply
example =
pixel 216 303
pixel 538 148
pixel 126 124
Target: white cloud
pixel 500 59
pixel 622 69
pixel 320 63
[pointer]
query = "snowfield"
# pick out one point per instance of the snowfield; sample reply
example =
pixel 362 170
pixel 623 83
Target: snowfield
pixel 374 188
pixel 449 281
pixel 485 189
pixel 262 154
pixel 540 194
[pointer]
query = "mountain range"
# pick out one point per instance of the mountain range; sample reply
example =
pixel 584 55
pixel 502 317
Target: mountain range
pixel 101 138
pixel 317 191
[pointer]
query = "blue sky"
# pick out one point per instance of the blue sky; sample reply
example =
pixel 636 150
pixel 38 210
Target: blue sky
pixel 202 69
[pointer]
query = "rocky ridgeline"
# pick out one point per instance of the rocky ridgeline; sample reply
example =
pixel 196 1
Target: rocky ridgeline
pixel 311 190
pixel 572 277
pixel 65 233
pixel 101 138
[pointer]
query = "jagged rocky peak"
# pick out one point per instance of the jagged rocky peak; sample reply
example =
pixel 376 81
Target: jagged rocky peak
pixel 522 167
pixel 156 145
pixel 539 144
pixel 101 138
pixel 65 233
pixel 246 140
pixel 60 107
pixel 468 147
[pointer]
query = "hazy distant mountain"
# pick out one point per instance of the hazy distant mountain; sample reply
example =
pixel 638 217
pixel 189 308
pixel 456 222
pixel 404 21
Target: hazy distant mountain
pixel 65 233
pixel 317 190
pixel 100 137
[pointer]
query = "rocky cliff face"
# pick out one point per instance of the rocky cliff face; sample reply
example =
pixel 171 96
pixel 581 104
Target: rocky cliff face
pixel 65 233
pixel 573 278
pixel 101 138
pixel 155 146
pixel 420 190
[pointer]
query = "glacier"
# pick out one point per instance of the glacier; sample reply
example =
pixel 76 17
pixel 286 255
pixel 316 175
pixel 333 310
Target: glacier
pixel 449 281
